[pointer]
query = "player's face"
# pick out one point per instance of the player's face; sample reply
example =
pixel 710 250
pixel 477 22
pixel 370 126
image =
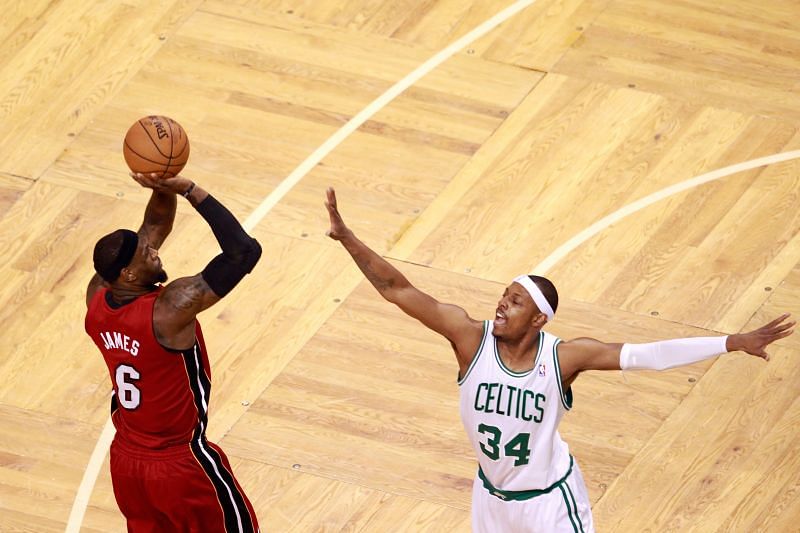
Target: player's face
pixel 514 312
pixel 147 265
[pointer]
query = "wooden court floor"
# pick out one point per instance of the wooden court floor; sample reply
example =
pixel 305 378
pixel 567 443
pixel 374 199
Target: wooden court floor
pixel 337 411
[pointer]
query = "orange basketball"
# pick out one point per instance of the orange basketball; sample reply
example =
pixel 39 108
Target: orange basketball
pixel 156 144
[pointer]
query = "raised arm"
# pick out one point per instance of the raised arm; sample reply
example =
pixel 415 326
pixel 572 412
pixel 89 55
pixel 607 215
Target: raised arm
pixel 159 215
pixel 582 354
pixel 181 300
pixel 448 320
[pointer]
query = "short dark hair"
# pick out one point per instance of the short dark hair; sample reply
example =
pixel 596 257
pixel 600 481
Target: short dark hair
pixel 548 289
pixel 113 252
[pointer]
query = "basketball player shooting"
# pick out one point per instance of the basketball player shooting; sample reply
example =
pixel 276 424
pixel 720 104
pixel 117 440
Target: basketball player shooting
pixel 516 382
pixel 166 475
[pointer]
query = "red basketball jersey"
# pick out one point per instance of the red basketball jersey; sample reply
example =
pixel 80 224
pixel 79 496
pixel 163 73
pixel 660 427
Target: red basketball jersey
pixel 160 396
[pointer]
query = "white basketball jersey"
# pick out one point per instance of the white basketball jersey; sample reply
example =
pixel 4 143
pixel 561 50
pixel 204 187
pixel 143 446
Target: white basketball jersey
pixel 511 418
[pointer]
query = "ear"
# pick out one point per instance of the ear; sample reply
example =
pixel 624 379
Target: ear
pixel 539 320
pixel 128 275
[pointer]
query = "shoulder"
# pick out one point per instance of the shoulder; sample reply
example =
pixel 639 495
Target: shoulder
pixel 183 293
pixel 96 286
pixel 579 345
pixel 475 331
pixel 586 353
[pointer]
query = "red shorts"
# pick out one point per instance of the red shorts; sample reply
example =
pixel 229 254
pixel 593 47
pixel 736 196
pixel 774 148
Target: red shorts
pixel 188 488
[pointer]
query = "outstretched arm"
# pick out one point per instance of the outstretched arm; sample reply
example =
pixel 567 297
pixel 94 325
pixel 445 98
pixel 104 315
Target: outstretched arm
pixel 180 301
pixel 590 354
pixel 448 320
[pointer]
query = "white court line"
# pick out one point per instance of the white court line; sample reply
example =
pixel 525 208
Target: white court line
pixel 98 454
pixel 562 251
pixel 90 477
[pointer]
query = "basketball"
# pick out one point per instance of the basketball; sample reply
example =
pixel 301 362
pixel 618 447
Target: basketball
pixel 156 144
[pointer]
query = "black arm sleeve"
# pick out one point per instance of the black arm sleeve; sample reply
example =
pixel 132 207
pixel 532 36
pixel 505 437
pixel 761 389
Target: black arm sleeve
pixel 240 252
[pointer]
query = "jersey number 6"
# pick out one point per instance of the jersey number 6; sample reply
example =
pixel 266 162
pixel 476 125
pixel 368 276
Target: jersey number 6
pixel 128 395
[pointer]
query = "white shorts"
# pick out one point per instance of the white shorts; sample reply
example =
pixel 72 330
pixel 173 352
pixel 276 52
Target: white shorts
pixel 565 508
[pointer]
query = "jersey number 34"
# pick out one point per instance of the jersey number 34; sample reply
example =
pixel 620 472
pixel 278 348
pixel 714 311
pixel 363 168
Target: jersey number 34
pixel 518 447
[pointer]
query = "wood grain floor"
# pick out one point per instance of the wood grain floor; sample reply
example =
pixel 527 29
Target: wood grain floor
pixel 338 412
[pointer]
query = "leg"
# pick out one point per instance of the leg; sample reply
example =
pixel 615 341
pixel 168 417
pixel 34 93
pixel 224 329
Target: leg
pixel 131 493
pixel 200 494
pixel 579 495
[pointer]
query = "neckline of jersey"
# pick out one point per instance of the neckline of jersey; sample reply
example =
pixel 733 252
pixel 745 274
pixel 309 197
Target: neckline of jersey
pixel 524 373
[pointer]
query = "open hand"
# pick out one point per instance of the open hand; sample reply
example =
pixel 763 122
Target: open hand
pixel 755 342
pixel 174 185
pixel 338 228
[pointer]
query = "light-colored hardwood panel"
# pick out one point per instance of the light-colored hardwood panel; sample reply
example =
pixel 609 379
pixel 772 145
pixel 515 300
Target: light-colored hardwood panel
pixel 11 189
pixel 543 33
pixel 307 87
pixel 535 38
pixel 532 154
pixel 723 457
pixel 769 475
pixel 42 460
pixel 76 60
pixel 738 227
pixel 554 181
pixel 743 55
pixel 405 514
pixel 20 22
pixel 651 270
pixel 779 272
pixel 783 298
pixel 287 499
pixel 353 52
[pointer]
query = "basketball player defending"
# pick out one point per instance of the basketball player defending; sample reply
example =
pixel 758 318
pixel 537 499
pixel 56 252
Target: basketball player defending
pixel 166 475
pixel 515 382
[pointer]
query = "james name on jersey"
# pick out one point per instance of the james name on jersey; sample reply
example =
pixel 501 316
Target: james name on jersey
pixel 508 400
pixel 114 340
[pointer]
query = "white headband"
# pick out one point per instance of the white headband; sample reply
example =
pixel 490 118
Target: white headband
pixel 536 294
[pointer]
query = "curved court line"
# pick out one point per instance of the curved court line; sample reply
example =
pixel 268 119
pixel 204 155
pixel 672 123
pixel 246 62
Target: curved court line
pixel 104 441
pixel 559 253
pixel 81 501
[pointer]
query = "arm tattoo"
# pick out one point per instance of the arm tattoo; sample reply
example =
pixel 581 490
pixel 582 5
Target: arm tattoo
pixel 188 296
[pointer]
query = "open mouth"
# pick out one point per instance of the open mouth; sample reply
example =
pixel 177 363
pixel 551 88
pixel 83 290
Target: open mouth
pixel 499 317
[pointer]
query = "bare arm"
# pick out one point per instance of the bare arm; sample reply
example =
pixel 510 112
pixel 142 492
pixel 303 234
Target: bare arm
pixel 159 215
pixel 448 320
pixel 584 353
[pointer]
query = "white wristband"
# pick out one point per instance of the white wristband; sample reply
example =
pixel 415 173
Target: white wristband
pixel 670 354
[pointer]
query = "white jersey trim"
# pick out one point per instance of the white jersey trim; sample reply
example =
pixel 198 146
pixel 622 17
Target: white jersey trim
pixel 477 353
pixel 512 373
pixel 566 399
